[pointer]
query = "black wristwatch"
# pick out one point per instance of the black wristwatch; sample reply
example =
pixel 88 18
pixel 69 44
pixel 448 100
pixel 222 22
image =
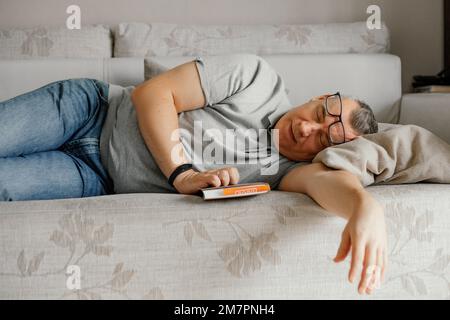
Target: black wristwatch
pixel 180 169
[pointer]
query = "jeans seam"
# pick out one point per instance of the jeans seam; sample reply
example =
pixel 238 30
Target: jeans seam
pixel 94 81
pixel 82 146
pixel 83 141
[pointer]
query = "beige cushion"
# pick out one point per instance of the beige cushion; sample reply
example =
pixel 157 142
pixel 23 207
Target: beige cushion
pixel 56 42
pixel 161 39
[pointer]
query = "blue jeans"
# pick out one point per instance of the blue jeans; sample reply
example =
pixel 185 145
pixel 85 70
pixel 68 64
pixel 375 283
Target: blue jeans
pixel 49 142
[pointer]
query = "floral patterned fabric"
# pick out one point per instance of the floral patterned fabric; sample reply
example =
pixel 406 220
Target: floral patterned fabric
pixel 58 42
pixel 161 39
pixel 169 246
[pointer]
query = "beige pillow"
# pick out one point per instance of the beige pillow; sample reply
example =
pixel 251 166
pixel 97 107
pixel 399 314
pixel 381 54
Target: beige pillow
pixel 397 155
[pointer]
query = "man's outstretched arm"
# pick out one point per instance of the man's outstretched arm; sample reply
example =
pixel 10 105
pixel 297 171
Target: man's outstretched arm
pixel 340 192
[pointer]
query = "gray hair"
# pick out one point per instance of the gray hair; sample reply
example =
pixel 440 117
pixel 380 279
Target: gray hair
pixel 363 120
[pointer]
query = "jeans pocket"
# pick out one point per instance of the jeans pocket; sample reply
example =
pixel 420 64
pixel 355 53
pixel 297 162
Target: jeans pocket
pixel 88 150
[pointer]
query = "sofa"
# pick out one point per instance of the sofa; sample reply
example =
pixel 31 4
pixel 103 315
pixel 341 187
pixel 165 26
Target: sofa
pixel 171 246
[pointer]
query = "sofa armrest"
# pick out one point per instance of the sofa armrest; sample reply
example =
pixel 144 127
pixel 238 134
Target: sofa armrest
pixel 428 110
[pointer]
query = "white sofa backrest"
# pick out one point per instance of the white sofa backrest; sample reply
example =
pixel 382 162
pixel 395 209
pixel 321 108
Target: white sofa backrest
pixel 373 78
pixel 19 76
pixel 313 59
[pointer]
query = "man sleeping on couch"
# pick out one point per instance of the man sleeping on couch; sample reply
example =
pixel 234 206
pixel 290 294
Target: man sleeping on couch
pixel 83 137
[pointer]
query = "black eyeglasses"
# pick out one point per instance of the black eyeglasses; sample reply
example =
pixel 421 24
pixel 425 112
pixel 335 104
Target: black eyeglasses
pixel 333 107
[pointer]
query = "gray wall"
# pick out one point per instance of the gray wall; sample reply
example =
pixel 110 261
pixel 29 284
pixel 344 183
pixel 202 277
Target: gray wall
pixel 416 25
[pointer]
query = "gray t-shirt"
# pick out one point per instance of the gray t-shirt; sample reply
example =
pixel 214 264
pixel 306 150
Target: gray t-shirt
pixel 244 98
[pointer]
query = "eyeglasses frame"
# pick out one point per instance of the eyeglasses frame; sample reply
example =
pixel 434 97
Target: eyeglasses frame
pixel 339 116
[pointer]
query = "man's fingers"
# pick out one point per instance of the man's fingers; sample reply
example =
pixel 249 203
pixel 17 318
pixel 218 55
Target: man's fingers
pixel 370 260
pixel 383 269
pixel 357 260
pixel 234 175
pixel 227 176
pixel 344 247
pixel 375 279
pixel 224 177
pixel 380 265
pixel 212 180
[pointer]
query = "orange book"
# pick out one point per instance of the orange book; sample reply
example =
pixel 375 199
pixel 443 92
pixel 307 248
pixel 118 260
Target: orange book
pixel 235 190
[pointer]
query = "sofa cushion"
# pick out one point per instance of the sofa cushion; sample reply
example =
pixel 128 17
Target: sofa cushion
pixel 427 110
pixel 162 39
pixel 56 42
pixel 168 246
pixel 153 68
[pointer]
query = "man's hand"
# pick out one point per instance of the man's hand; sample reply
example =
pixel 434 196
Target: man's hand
pixel 341 192
pixel 365 235
pixel 190 182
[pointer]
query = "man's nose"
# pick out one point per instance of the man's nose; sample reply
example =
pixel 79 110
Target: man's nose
pixel 308 127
